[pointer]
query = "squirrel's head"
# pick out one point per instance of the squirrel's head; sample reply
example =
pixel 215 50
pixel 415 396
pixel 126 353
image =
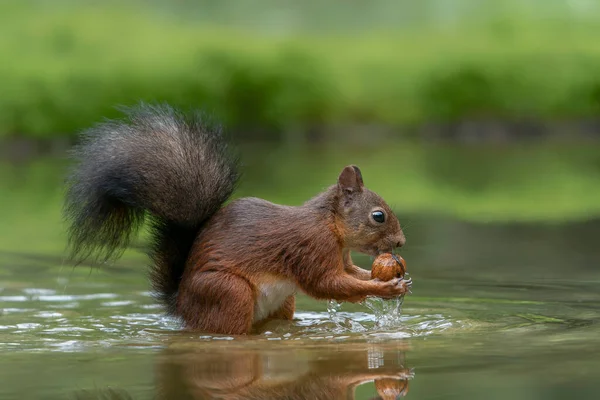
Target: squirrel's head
pixel 369 225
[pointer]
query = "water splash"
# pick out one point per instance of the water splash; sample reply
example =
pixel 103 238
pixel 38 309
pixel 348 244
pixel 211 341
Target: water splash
pixel 343 322
pixel 333 308
pixel 387 313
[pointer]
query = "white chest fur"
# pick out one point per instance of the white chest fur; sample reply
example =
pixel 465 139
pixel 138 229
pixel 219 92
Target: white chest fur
pixel 270 297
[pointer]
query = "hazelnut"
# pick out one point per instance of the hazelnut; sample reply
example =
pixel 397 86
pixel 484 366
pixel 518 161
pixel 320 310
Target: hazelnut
pixel 387 267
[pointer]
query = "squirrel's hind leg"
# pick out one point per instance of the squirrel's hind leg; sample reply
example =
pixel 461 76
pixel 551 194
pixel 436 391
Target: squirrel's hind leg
pixel 217 302
pixel 287 309
pixel 284 313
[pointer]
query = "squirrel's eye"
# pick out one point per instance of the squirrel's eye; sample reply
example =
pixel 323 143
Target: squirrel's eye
pixel 378 216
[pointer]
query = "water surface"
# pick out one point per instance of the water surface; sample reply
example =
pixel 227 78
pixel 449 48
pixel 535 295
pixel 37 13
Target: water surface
pixel 497 311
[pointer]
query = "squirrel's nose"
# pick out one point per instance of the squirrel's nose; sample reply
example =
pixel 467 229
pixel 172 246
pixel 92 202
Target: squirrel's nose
pixel 401 241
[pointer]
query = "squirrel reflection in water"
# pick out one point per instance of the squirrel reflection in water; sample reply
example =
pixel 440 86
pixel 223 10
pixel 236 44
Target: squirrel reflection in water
pixel 273 374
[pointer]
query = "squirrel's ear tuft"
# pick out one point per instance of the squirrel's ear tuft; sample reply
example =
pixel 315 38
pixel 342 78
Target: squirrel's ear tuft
pixel 350 179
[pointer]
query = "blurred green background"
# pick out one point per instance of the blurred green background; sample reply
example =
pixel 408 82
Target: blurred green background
pixel 481 110
pixel 275 67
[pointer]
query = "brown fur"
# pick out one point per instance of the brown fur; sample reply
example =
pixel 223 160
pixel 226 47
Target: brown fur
pixel 252 242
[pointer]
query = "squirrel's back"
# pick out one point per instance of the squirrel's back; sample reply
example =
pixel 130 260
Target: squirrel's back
pixel 177 169
pixel 260 237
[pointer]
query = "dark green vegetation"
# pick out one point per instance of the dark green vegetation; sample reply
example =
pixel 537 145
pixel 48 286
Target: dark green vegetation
pixel 290 69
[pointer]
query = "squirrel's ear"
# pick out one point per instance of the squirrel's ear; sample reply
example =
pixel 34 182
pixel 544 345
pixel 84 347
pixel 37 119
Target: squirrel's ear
pixel 350 179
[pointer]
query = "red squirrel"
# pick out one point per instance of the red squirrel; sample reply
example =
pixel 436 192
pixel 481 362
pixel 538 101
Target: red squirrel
pixel 221 268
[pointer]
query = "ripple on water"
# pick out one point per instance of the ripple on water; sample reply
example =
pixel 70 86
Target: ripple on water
pixel 38 295
pixel 74 322
pixel 117 303
pixel 150 330
pixel 38 291
pixel 14 310
pixel 69 329
pixel 48 314
pixel 12 299
pixel 28 325
pixel 63 297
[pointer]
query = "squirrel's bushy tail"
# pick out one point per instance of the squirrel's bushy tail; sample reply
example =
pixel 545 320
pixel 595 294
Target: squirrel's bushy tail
pixel 177 169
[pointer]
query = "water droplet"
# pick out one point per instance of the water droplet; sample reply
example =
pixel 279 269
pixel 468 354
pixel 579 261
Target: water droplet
pixel 387 312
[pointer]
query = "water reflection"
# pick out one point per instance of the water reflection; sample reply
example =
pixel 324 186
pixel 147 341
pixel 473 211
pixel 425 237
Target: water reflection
pixel 284 372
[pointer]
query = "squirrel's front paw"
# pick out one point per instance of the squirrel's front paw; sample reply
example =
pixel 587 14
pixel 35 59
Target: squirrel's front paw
pixel 395 287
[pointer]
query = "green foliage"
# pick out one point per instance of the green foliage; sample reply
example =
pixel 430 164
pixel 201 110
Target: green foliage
pixel 67 64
